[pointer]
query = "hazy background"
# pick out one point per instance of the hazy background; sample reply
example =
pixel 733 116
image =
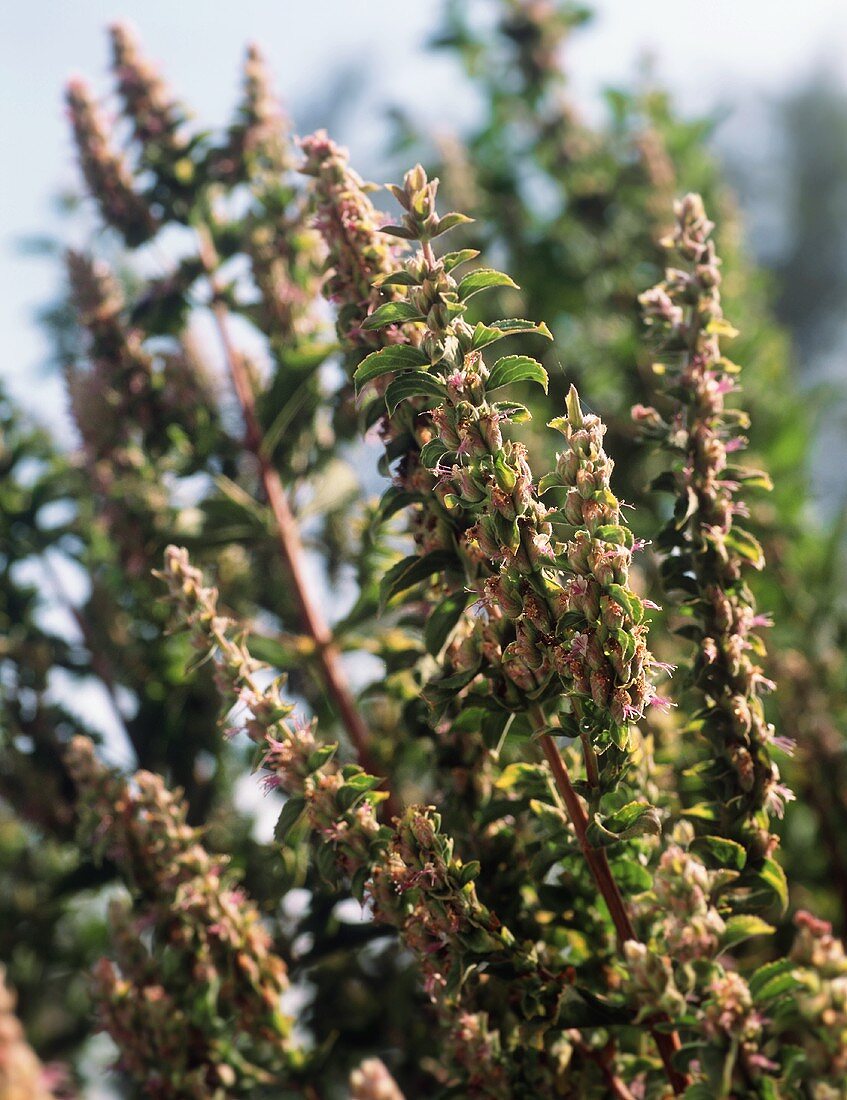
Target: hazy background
pixel 761 68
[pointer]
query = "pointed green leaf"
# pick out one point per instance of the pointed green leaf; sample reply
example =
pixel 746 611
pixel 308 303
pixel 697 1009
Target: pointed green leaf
pixel 499 330
pixel 395 500
pixel 454 259
pixel 399 231
pixel 412 570
pixel 417 383
pixel 396 278
pixel 742 927
pixel 516 368
pixel 397 357
pixel 633 819
pixel 772 878
pixel 442 620
pixel 450 221
pixel 291 813
pixel 514 411
pixel 718 851
pixel 746 545
pixel 392 313
pixel 482 279
pixel 552 480
pixel 432 452
pixel 773 979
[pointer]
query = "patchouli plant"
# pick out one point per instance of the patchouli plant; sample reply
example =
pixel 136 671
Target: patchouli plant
pixel 522 743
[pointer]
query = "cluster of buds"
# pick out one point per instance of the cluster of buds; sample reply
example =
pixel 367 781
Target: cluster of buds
pixel 139 415
pixel 707 550
pixel 194 1011
pixel 538 29
pixel 127 395
pixel 157 120
pixel 358 253
pixel 106 173
pixel 650 981
pixel 361 259
pixel 691 927
pixel 821 1003
pixel 568 620
pixel 409 873
pixel 372 1081
pixel 22 1076
pixel 283 252
pixel 258 139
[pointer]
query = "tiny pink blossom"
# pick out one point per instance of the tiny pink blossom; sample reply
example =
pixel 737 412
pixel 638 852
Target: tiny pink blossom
pixel 777 797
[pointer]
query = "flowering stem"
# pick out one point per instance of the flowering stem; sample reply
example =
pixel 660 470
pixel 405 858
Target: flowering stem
pixel 288 535
pixel 667 1042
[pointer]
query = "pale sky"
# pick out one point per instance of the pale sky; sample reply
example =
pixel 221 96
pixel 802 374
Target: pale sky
pixel 707 53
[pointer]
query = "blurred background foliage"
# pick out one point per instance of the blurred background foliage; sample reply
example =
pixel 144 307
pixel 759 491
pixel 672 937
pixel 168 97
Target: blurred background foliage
pixel 573 203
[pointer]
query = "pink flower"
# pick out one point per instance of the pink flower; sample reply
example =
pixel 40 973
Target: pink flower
pixel 777 797
pixel 269 782
pixel 579 645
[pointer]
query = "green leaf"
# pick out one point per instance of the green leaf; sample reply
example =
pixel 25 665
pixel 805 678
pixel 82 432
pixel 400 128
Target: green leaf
pixel 416 383
pixel 684 507
pixel 469 871
pixel 450 221
pixel 516 368
pixel 772 878
pixel 633 819
pixel 482 279
pixel 359 882
pixel 431 452
pixel 773 979
pixel 291 813
pixel 395 500
pixel 454 259
pixel 718 851
pixel 412 570
pixel 703 811
pixel 742 927
pixel 397 357
pixel 499 330
pixel 442 620
pixel 396 278
pixel 399 231
pixel 699 1091
pixel 631 877
pixel 392 313
pixel 483 336
pixel 514 411
pixel 746 546
pixel 549 481
pixel 509 325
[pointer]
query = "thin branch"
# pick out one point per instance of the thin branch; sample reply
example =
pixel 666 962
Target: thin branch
pixel 288 535
pixel 668 1043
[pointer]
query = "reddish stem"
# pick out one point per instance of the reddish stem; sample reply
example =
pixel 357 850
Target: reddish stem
pixel 667 1042
pixel 288 538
